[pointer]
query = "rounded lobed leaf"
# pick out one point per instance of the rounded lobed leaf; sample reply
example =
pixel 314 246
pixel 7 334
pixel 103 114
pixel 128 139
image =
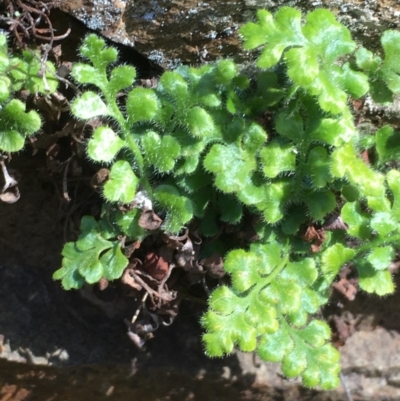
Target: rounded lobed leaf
pixel 243 266
pixel 86 74
pixel 161 152
pixel 16 125
pixel 320 203
pixel 273 347
pixel 366 60
pixel 380 258
pixel 303 272
pixel 254 137
pixel 357 220
pixel 121 77
pixel 225 71
pixel 277 158
pixel 333 258
pixel 316 333
pixel 114 262
pixel 179 209
pixel 222 300
pixel 94 49
pixel 200 123
pixel 142 105
pixel 283 294
pixel 121 186
pixel 104 144
pixel 375 281
pixel 174 85
pixel 294 363
pixel 383 224
pixel 89 105
pixel 11 141
pixel 231 166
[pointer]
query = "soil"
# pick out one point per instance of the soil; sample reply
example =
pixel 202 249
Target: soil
pixel 75 349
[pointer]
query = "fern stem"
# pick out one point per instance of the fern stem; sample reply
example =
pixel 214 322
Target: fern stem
pixel 127 135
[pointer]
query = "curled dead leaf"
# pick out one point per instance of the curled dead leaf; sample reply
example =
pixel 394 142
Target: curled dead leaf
pixel 100 178
pixel 149 220
pixel 317 236
pixel 156 266
pixel 128 276
pixel 345 287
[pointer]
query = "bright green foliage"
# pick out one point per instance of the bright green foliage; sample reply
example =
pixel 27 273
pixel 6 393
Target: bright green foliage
pixel 384 74
pixel 90 258
pixel 197 148
pixel 20 73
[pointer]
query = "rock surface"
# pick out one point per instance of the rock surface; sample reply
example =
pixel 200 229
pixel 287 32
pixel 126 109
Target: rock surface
pixel 171 32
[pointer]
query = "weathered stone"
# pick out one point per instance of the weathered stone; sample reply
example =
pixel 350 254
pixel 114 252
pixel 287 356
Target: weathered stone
pixel 171 32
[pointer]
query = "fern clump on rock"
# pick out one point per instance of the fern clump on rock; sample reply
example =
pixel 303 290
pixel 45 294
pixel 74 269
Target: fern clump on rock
pixel 211 146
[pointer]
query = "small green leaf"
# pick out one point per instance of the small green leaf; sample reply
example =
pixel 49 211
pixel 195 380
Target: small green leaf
pixel 282 294
pixel 11 141
pixel 226 70
pixel 90 258
pixel 161 152
pixel 129 223
pixel 289 125
pixel 333 258
pixel 316 333
pixel 320 203
pixel 273 347
pixel 142 105
pixel 294 363
pixel 380 258
pixel 174 85
pixel 231 166
pixel 121 77
pixel 277 158
pixel 243 266
pixel 115 262
pixel 16 125
pixel 121 187
pixel 358 221
pixel 93 48
pixel 222 300
pixel 375 281
pixel 200 123
pixel 303 272
pixel 318 167
pixel 366 60
pixel 178 208
pixel 254 137
pixel 356 83
pixel 383 224
pixel 89 105
pixel 276 195
pixel 390 40
pixel 284 32
pixel 5 85
pixel 104 145
pixel 86 74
